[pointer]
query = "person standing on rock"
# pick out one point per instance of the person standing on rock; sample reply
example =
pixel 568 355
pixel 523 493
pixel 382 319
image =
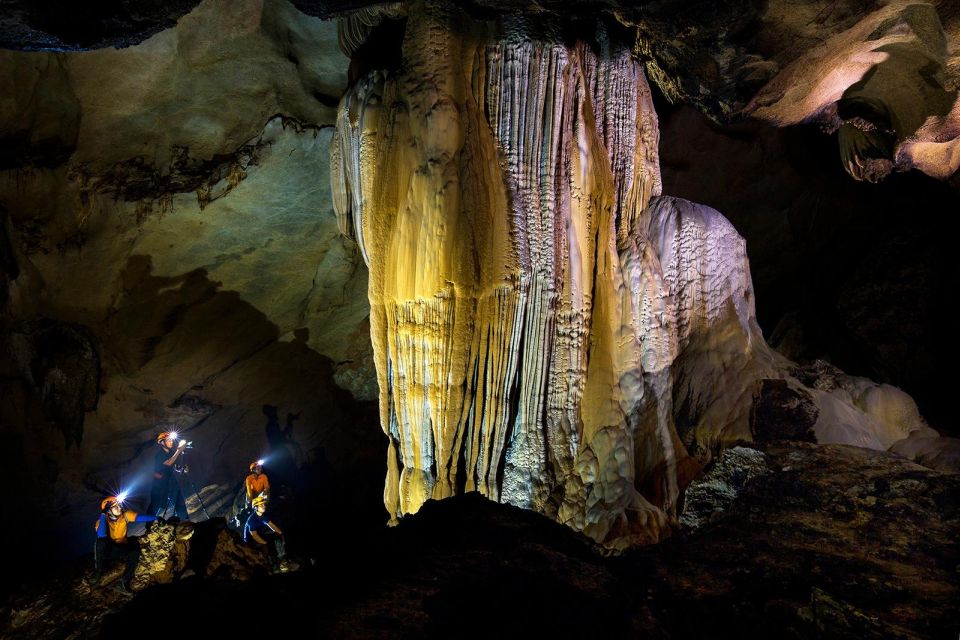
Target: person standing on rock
pixel 166 490
pixel 264 532
pixel 113 542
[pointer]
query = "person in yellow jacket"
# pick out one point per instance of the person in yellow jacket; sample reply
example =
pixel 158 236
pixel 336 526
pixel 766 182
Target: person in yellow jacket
pixel 113 541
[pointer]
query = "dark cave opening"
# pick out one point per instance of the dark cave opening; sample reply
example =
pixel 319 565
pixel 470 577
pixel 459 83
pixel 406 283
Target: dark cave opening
pixel 858 274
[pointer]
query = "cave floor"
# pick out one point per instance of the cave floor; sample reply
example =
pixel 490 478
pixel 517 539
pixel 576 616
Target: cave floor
pixel 835 542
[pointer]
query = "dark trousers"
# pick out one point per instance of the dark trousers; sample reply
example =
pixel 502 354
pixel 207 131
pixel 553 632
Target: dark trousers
pixel 107 549
pixel 164 494
pixel 276 548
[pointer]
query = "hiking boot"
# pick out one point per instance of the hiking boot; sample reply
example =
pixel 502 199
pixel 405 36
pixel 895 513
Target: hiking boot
pixel 93 579
pixel 123 588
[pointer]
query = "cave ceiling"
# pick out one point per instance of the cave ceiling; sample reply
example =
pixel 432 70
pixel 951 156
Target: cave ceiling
pixel 884 75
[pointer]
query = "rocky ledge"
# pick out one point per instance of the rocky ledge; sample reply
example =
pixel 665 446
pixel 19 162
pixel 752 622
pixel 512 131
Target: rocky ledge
pixel 798 540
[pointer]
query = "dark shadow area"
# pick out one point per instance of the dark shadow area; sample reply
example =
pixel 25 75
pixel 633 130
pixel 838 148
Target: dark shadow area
pixel 791 557
pixel 325 447
pixel 858 274
pixel 66 25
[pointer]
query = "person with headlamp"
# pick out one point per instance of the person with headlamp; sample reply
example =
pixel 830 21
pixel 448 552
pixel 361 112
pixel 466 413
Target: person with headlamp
pixel 256 483
pixel 166 488
pixel 114 543
pixel 264 532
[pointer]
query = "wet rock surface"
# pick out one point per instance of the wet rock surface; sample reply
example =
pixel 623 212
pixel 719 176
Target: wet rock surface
pixel 830 542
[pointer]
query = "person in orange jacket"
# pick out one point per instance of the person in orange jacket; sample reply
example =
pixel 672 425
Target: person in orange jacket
pixel 256 483
pixel 113 541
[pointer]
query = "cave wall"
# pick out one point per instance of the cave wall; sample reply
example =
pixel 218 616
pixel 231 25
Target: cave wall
pixel 170 257
pixel 544 326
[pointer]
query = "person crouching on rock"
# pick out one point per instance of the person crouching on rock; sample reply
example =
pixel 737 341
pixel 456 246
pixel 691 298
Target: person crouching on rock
pixel 113 542
pixel 262 531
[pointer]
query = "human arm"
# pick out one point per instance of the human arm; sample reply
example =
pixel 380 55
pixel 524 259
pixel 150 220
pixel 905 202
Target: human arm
pixel 257 537
pixel 274 528
pixel 176 454
pixel 101 526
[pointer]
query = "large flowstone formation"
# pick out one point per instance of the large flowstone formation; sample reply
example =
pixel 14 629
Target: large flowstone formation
pixel 496 186
pixel 548 329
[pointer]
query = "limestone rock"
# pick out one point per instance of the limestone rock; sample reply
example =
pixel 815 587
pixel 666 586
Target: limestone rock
pixel 548 330
pixel 776 563
pixel 717 489
pixel 500 352
pixel 163 554
pixel 887 82
pixel 783 412
pixel 858 411
pixel 930 450
pixel 234 560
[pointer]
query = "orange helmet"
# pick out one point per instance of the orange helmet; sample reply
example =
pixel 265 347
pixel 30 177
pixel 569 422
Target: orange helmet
pixel 255 464
pixel 163 435
pixel 107 503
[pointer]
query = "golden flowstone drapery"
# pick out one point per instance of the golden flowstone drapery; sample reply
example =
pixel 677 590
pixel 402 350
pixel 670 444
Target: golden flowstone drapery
pixel 531 295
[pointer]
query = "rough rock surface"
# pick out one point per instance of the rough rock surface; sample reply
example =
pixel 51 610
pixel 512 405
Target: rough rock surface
pixel 59 26
pixel 866 551
pixel 884 74
pixel 942 454
pixel 889 82
pixel 170 257
pixel 503 317
pixel 715 491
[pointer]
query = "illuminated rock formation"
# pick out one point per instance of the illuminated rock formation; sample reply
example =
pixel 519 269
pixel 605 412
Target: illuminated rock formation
pixel 548 330
pixel 888 83
pixel 169 255
pixel 527 307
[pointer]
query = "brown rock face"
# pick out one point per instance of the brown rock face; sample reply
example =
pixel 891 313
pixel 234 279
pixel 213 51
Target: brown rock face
pixel 170 256
pixel 782 413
